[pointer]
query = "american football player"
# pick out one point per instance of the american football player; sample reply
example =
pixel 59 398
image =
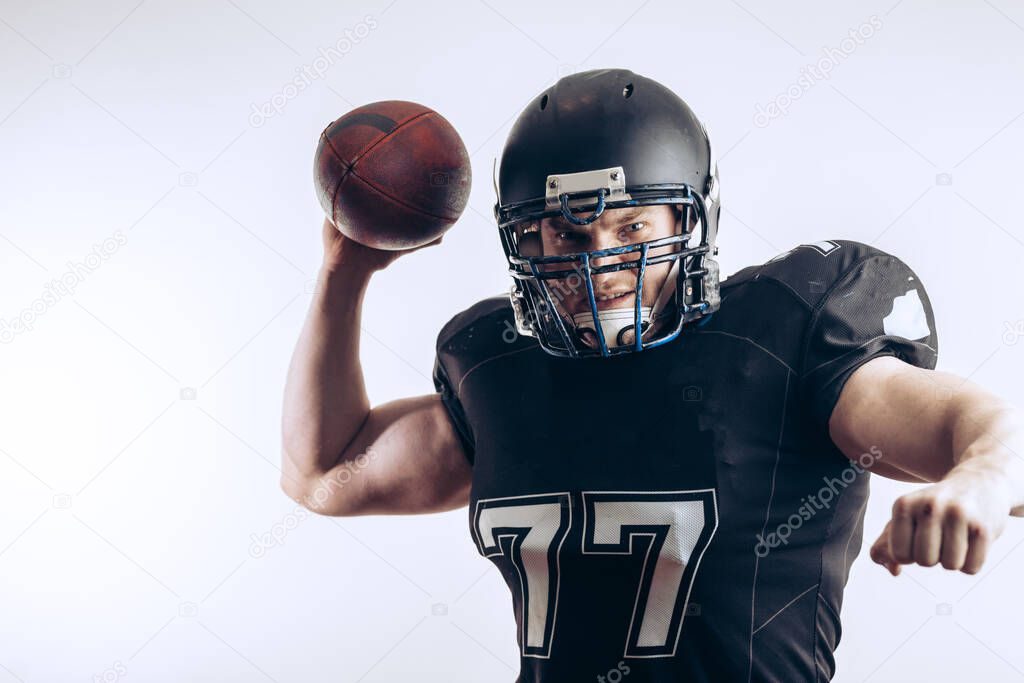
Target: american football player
pixel 670 471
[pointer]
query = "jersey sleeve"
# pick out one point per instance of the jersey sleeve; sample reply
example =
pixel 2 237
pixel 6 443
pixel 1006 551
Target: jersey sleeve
pixel 453 406
pixel 876 307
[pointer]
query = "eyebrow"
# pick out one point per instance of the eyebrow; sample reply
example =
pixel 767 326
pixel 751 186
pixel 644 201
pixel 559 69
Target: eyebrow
pixel 632 214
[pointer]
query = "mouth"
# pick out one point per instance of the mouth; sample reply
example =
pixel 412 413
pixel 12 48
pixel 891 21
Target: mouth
pixel 614 299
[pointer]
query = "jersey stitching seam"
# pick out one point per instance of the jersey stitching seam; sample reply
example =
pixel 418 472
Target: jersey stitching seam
pixel 821 573
pixel 825 603
pixel 869 342
pixel 802 594
pixel 463 439
pixel 749 340
pixel 846 551
pixel 466 375
pixel 764 528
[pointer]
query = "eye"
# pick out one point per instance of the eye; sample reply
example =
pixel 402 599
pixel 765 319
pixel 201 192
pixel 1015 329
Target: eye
pixel 569 236
pixel 637 227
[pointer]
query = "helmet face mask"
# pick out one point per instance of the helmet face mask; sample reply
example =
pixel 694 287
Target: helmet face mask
pixel 548 288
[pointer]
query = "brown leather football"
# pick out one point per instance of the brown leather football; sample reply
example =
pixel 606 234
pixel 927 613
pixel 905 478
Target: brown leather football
pixel 392 175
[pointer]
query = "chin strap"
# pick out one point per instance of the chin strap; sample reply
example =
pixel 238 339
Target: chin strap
pixel 616 324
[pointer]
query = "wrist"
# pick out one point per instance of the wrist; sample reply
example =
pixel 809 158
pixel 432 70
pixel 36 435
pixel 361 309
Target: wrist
pixel 1000 475
pixel 345 270
pixel 339 284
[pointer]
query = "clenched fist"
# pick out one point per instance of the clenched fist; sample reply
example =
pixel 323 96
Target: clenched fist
pixel 951 522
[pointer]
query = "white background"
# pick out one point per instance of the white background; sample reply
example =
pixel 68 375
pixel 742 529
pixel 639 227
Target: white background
pixel 127 513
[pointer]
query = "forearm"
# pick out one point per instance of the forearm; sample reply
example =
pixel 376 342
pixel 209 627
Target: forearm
pixel 988 443
pixel 325 401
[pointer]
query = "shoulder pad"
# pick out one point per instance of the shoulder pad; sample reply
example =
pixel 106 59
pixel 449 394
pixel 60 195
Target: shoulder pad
pixel 811 270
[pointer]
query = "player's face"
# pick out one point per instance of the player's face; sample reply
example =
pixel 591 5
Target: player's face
pixel 615 228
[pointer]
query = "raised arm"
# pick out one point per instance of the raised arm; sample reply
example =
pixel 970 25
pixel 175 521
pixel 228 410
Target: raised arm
pixel 340 456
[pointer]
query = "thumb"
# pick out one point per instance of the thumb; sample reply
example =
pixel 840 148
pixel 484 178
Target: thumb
pixel 422 246
pixel 430 244
pixel 882 554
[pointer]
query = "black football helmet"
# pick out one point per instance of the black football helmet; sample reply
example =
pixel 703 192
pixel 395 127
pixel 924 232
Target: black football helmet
pixel 599 140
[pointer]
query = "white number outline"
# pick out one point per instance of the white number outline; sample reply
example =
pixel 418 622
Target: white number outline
pixel 511 549
pixel 506 541
pixel 656 533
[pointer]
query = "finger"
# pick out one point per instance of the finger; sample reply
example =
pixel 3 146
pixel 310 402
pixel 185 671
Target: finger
pixel 977 549
pixel 880 551
pixel 954 539
pixel 901 537
pixel 428 244
pixel 927 535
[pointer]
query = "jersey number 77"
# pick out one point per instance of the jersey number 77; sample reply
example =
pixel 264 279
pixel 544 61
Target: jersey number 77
pixel 670 529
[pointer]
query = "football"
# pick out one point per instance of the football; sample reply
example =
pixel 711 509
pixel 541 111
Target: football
pixel 392 175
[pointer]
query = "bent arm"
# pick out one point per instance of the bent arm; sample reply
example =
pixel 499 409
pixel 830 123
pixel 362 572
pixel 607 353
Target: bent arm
pixel 339 457
pixel 405 459
pixel 325 401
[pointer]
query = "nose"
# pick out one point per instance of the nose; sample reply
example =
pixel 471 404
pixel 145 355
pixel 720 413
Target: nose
pixel 606 239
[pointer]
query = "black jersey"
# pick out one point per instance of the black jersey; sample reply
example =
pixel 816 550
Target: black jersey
pixel 681 514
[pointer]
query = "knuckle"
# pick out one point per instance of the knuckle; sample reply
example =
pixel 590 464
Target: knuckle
pixel 902 507
pixel 955 513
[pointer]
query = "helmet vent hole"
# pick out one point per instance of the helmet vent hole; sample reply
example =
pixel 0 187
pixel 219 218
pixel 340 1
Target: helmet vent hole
pixel 544 102
pixel 627 91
